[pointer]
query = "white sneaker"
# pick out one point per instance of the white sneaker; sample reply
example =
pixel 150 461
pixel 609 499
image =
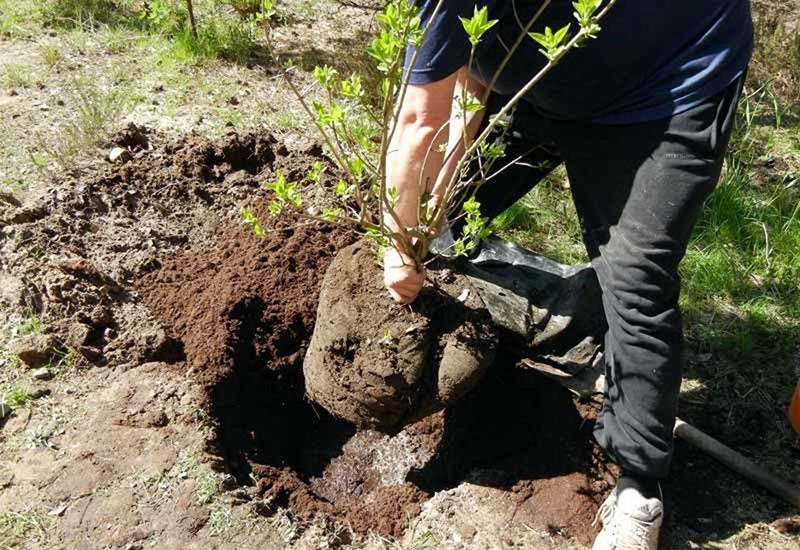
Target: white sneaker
pixel 630 520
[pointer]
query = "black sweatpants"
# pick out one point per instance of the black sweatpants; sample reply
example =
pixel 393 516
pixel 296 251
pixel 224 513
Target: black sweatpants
pixel 638 189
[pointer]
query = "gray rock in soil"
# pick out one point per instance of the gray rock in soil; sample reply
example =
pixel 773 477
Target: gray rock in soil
pixel 119 155
pixel 39 390
pixel 42 374
pixel 35 350
pixel 77 334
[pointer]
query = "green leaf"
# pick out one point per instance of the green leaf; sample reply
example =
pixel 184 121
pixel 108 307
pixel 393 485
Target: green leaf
pixel 469 103
pixel 326 76
pixel 352 87
pixel 493 150
pixel 472 207
pixel 275 208
pixel 248 218
pixel 393 195
pixel 342 188
pixel 285 193
pixel 317 169
pixel 552 42
pixel 477 25
pixel 331 214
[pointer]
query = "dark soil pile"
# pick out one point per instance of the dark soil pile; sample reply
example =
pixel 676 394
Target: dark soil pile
pixel 244 310
pixel 382 365
pixel 146 261
pixel 74 254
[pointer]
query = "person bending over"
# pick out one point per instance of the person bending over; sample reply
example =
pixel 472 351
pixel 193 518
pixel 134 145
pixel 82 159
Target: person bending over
pixel 640 117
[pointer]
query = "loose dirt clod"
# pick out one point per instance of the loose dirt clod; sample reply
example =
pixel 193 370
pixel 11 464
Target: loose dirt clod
pixel 382 365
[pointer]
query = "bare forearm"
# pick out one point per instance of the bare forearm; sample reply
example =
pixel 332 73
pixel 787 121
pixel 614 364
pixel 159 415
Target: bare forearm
pixel 415 157
pixel 460 134
pixel 414 162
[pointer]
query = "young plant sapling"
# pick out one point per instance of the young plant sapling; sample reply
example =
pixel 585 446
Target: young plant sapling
pixel 357 133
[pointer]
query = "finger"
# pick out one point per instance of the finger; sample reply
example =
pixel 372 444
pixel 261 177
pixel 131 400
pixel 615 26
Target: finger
pixel 401 298
pixel 405 285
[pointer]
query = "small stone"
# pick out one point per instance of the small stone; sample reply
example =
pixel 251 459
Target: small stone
pixel 42 374
pixel 119 155
pixel 78 334
pixel 35 350
pixel 467 532
pixel 59 510
pixel 38 391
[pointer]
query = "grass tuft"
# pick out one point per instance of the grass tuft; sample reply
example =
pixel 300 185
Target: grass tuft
pixel 19 527
pixel 30 325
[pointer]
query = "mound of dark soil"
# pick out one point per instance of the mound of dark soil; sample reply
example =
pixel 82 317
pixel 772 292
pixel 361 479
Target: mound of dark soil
pixel 146 261
pixel 245 309
pixel 382 365
pixel 75 252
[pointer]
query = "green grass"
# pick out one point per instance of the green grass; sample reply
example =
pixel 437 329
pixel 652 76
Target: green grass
pixel 19 527
pixel 17 398
pixel 30 325
pixel 220 519
pixel 96 107
pixel 14 75
pixel 84 13
pixel 545 221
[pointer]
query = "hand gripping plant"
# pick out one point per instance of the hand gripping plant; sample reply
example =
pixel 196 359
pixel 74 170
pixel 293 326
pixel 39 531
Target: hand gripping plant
pixel 360 135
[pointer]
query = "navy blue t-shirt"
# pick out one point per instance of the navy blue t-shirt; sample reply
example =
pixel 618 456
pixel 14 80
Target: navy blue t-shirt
pixel 652 58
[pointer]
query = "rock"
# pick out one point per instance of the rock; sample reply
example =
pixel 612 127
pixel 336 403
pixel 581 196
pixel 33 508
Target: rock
pixel 35 350
pixel 78 334
pixel 119 155
pixel 39 390
pixel 42 374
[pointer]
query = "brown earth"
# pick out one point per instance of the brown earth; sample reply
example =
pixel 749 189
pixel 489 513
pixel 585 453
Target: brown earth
pixel 244 310
pixel 381 365
pixel 144 269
